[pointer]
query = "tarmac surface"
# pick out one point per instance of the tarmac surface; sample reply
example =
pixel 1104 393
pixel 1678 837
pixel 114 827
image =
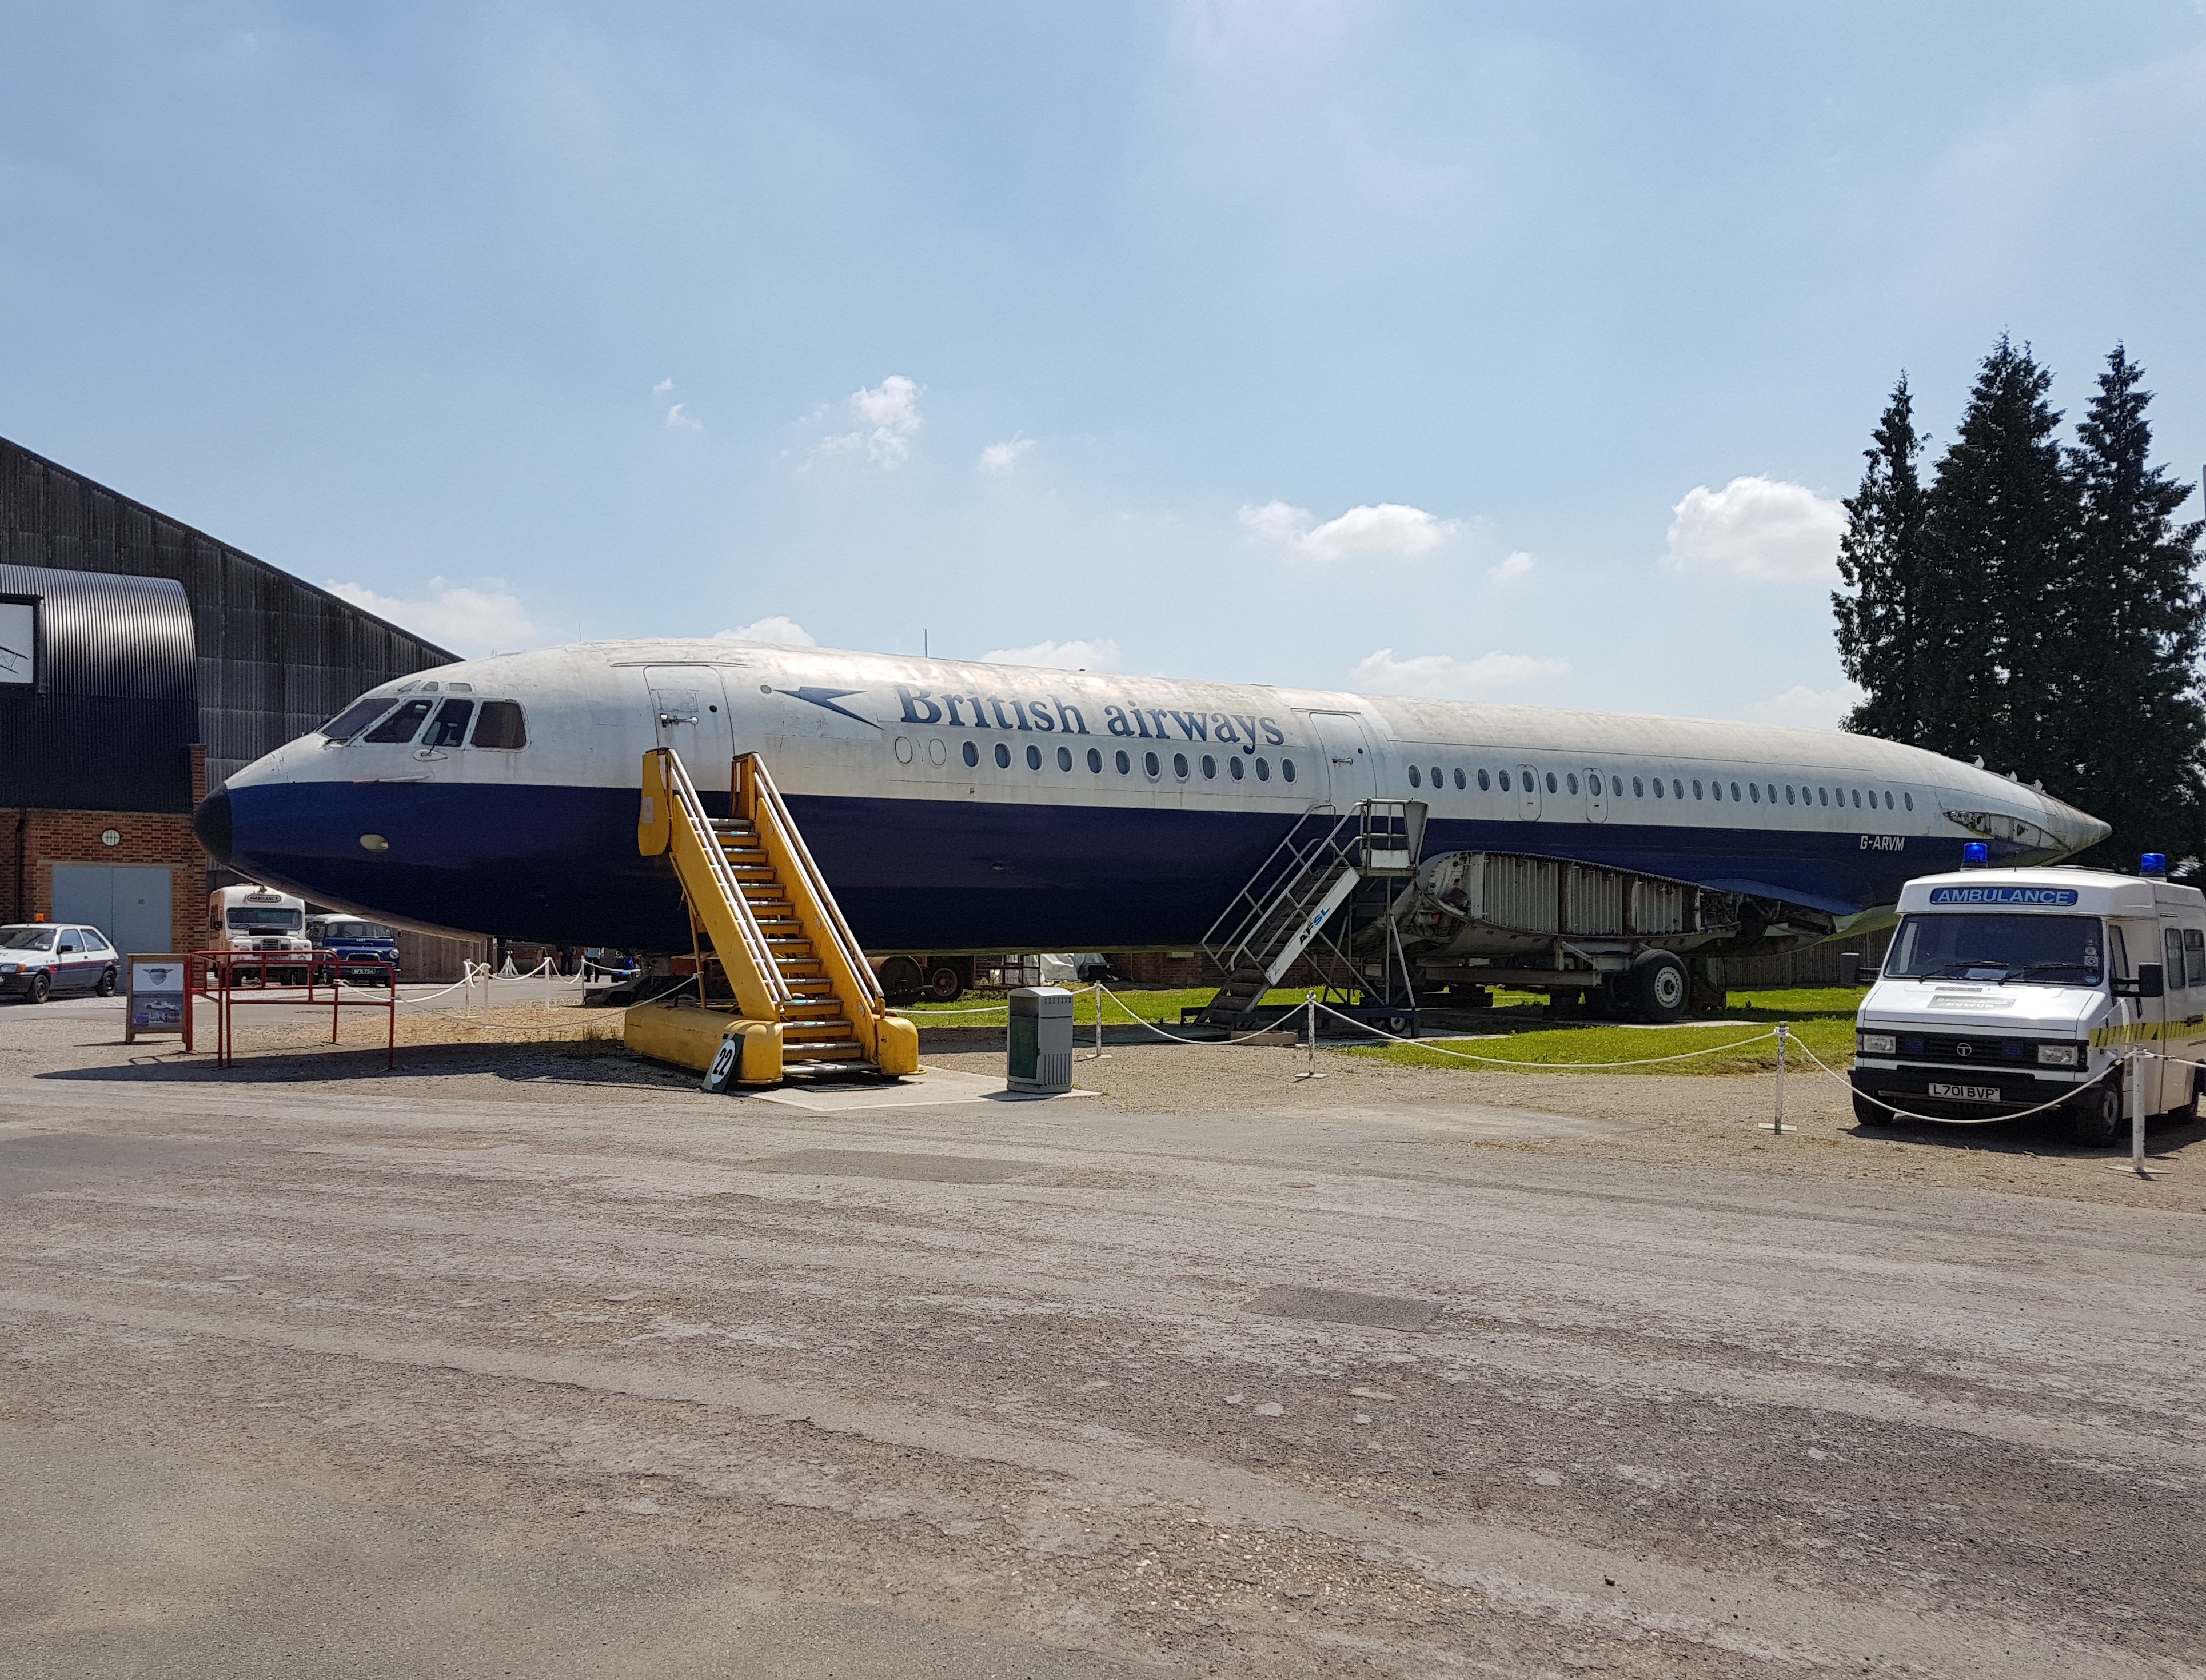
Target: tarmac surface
pixel 563 1371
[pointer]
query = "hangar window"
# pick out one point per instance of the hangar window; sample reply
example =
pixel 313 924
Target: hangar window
pixel 1637 791
pixel 1179 766
pixel 401 725
pixel 355 717
pixel 1126 763
pixel 1461 782
pixel 1551 783
pixel 1209 768
pixel 1064 758
pixel 972 753
pixel 1095 761
pixel 1149 765
pixel 1287 768
pixel 450 727
pixel 1413 779
pixel 500 725
pixel 1263 770
pixel 1003 756
pixel 1234 765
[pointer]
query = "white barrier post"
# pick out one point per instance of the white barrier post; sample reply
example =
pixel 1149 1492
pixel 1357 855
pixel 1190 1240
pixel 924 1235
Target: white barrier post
pixel 2137 1112
pixel 1309 1030
pixel 1098 1056
pixel 1777 1130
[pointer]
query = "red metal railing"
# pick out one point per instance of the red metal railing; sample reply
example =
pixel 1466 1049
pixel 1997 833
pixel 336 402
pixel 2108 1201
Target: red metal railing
pixel 286 979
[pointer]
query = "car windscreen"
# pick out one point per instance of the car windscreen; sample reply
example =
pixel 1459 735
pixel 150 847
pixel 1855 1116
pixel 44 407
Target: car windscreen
pixel 374 931
pixel 253 918
pixel 1989 945
pixel 27 939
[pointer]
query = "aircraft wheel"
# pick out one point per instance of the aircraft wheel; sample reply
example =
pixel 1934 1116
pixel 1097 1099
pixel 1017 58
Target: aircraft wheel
pixel 902 979
pixel 945 985
pixel 1657 986
pixel 2095 1120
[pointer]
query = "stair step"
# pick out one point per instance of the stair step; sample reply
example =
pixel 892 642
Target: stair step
pixel 834 1052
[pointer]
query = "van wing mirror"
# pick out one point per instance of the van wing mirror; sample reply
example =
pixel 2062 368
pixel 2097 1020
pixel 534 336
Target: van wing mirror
pixel 2151 981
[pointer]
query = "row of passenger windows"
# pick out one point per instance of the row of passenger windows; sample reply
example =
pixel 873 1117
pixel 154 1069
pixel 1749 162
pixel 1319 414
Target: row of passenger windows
pixel 1153 765
pixel 1752 793
pixel 498 724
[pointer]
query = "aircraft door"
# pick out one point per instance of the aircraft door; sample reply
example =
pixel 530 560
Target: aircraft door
pixel 1596 797
pixel 1351 774
pixel 690 714
pixel 1528 779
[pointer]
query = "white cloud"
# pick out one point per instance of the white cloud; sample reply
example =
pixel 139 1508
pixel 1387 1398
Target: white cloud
pixel 1379 531
pixel 1756 528
pixel 1444 676
pixel 889 416
pixel 678 418
pixel 785 630
pixel 1099 653
pixel 1002 457
pixel 663 387
pixel 467 621
pixel 1515 569
pixel 1808 708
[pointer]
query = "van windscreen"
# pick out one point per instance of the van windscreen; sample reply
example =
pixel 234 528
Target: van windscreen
pixel 2044 950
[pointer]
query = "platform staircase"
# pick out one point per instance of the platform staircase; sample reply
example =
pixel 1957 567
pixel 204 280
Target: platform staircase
pixel 801 996
pixel 1303 903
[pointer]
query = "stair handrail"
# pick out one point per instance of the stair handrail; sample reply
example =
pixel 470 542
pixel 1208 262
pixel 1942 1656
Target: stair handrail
pixel 686 818
pixel 862 977
pixel 1267 884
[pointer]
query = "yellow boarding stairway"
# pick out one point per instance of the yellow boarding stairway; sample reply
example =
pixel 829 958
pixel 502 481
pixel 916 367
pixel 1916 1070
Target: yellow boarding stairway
pixel 804 994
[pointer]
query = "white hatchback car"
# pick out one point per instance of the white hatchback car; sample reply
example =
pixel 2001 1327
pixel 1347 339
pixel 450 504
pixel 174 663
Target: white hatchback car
pixel 39 958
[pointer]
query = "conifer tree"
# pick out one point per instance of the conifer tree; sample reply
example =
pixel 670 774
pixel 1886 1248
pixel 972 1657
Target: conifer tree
pixel 2132 717
pixel 1999 533
pixel 1883 628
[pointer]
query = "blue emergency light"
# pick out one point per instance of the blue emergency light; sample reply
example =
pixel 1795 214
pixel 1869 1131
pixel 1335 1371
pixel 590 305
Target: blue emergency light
pixel 2154 864
pixel 1975 854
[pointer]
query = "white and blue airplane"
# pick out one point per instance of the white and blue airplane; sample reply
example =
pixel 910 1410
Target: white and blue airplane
pixel 960 806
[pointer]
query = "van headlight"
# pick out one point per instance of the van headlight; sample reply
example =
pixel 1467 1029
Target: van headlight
pixel 2056 1055
pixel 1876 1044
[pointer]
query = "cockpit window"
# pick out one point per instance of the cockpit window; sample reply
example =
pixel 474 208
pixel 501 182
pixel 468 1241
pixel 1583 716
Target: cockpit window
pixel 401 725
pixel 501 726
pixel 356 716
pixel 450 727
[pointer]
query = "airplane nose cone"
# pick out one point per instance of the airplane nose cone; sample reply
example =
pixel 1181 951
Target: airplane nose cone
pixel 211 822
pixel 2076 830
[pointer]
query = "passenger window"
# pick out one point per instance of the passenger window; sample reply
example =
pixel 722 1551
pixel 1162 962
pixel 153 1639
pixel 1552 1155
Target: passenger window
pixel 1504 780
pixel 401 725
pixel 1715 790
pixel 1234 765
pixel 1033 756
pixel 1755 790
pixel 1551 783
pixel 1149 765
pixel 1637 791
pixel 1788 793
pixel 1822 795
pixel 1209 768
pixel 450 727
pixel 1126 763
pixel 1179 766
pixel 1887 801
pixel 500 724
pixel 1856 799
pixel 1460 782
pixel 1678 788
pixel 972 754
pixel 1482 784
pixel 2194 955
pixel 1064 758
pixel 1413 775
pixel 1287 768
pixel 1436 775
pixel 1910 798
pixel 1095 761
pixel 1573 782
pixel 1773 793
pixel 1263 770
pixel 1734 793
pixel 1003 756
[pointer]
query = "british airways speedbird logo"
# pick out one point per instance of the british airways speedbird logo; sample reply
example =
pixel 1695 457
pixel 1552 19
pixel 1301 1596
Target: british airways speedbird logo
pixel 824 698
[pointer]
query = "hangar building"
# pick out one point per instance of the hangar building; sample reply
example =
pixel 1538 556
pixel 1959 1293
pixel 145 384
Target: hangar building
pixel 141 662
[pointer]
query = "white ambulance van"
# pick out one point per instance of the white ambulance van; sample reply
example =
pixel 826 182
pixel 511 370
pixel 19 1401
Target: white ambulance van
pixel 1997 980
pixel 255 918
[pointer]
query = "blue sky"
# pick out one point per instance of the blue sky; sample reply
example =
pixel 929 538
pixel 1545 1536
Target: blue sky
pixel 1513 352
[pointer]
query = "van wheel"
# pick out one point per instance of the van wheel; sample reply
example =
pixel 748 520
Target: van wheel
pixel 106 987
pixel 41 988
pixel 1869 1113
pixel 2097 1119
pixel 1657 986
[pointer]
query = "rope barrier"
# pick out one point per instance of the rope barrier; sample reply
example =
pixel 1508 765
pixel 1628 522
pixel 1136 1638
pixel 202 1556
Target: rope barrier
pixel 1501 1062
pixel 2065 1098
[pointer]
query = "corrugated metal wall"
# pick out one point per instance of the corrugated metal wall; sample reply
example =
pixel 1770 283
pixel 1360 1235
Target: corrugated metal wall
pixel 277 656
pixel 109 722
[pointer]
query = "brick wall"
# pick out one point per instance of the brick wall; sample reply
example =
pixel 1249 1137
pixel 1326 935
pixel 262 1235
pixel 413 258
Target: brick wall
pixel 35 841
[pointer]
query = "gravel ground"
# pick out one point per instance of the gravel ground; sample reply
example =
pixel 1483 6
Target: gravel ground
pixel 533 1359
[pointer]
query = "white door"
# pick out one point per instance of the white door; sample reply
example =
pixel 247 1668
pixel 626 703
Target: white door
pixel 692 718
pixel 1596 797
pixel 1528 779
pixel 1351 775
pixel 128 902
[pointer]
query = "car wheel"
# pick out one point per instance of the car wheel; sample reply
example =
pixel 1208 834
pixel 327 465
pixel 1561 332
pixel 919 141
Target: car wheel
pixel 1869 1112
pixel 2097 1119
pixel 106 987
pixel 1658 987
pixel 42 988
